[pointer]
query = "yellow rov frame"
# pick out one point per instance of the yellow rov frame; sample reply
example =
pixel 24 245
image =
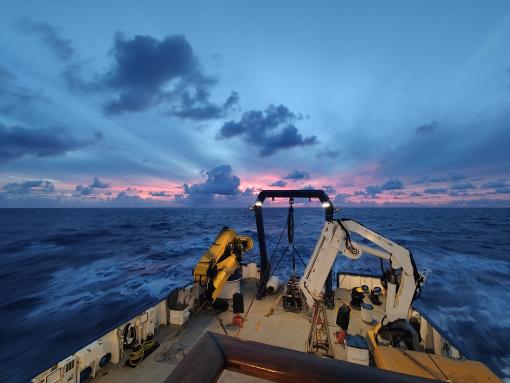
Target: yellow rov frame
pixel 220 261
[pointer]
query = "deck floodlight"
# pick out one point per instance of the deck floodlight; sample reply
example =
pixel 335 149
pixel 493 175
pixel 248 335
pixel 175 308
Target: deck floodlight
pixel 326 204
pixel 258 203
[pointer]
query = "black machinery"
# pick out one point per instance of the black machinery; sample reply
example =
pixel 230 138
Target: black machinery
pixel 265 267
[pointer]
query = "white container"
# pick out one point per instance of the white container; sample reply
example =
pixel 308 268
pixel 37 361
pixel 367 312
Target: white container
pixel 356 352
pixel 230 288
pixel 179 317
pixel 357 355
pixel 253 271
pixel 367 313
pixel 273 284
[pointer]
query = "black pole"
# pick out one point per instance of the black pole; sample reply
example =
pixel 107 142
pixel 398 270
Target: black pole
pixel 290 232
pixel 329 297
pixel 264 262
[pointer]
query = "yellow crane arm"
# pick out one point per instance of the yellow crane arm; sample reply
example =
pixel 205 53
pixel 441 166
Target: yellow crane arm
pixel 221 260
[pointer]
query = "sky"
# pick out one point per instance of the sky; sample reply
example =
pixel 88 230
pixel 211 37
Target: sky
pixel 201 103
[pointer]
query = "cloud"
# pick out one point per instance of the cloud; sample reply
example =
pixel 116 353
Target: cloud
pixel 198 107
pixel 147 72
pixel 504 190
pixel 280 183
pixel 328 153
pixel 98 184
pixel 297 175
pixel 308 187
pixel 329 189
pixel 84 190
pixel 90 189
pixel 415 194
pixel 462 186
pixel 60 46
pixel 29 187
pixel 435 190
pixel 159 194
pixel 391 184
pixel 219 181
pixel 462 145
pixel 427 128
pixel 441 178
pixel 248 191
pixel 342 198
pixel 494 184
pixel 17 141
pixel 270 130
pixel 13 96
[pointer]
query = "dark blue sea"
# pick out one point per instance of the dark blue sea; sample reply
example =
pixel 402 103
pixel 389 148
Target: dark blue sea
pixel 66 275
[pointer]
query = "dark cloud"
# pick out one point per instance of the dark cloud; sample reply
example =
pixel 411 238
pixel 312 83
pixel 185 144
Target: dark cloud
pixel 248 191
pixel 60 46
pixel 435 190
pixel 504 190
pixel 297 175
pixel 270 130
pixel 391 184
pixel 462 186
pixel 494 184
pixel 13 96
pixel 17 141
pixel 148 72
pixel 84 190
pixel 462 145
pixel 328 153
pixel 341 198
pixel 280 183
pixel 98 184
pixel 452 177
pixel 29 187
pixel 219 181
pixel 124 199
pixel 308 187
pixel 329 189
pixel 415 194
pixel 159 194
pixel 427 128
pixel 198 107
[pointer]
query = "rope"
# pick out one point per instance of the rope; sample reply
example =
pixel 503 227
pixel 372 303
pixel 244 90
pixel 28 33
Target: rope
pixel 274 250
pixel 136 356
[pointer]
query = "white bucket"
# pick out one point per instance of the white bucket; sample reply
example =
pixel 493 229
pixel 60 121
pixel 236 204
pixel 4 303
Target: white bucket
pixel 367 311
pixel 230 288
pixel 273 284
pixel 253 271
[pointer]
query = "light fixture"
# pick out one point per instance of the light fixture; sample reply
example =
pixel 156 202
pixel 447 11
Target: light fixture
pixel 326 204
pixel 258 203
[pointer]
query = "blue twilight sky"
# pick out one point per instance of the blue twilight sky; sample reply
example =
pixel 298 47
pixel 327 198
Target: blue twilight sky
pixel 195 103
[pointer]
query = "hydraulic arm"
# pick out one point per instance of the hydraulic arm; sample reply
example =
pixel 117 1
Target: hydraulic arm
pixel 220 261
pixel 335 238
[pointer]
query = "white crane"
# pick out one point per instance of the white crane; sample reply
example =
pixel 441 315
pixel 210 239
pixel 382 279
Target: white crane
pixel 336 238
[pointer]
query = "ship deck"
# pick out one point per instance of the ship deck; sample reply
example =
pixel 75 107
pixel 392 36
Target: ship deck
pixel 284 329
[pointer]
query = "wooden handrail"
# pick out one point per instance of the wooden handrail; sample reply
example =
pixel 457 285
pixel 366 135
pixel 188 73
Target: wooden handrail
pixel 214 353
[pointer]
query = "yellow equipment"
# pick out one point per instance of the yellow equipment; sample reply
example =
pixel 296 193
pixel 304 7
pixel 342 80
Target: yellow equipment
pixel 220 261
pixel 428 365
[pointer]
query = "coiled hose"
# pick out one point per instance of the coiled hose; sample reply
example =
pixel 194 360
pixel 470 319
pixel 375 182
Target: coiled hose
pixel 138 353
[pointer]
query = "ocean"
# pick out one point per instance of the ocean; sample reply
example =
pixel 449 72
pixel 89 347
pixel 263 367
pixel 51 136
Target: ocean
pixel 66 275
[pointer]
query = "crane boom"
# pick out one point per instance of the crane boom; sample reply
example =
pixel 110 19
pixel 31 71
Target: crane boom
pixel 336 238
